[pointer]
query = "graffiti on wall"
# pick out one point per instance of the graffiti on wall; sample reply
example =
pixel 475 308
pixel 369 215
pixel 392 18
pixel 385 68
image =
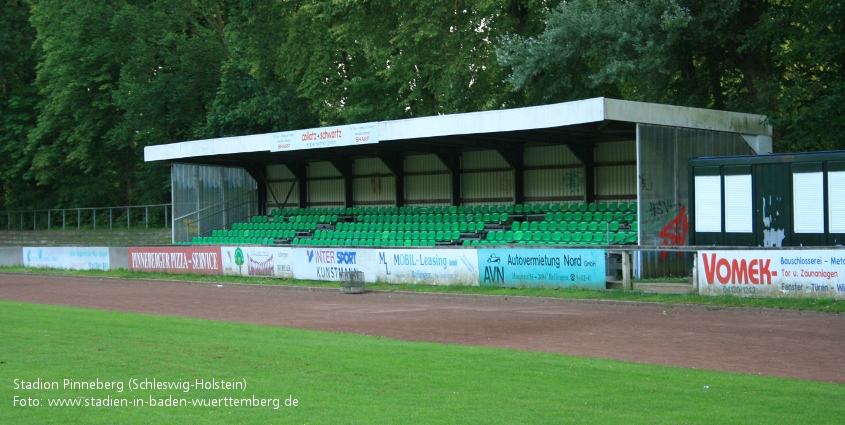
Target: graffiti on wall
pixel 573 181
pixel 675 233
pixel 659 208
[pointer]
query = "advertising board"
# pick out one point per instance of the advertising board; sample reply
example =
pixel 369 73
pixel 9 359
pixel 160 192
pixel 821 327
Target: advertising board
pixel 584 268
pixel 196 260
pixel 422 266
pixel 325 137
pixel 257 261
pixel 72 258
pixel 773 274
pixel 327 263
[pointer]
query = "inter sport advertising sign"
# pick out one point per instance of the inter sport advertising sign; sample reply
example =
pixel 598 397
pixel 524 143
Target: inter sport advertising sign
pixel 777 274
pixel 257 261
pixel 73 258
pixel 325 137
pixel 583 268
pixel 326 263
pixel 197 260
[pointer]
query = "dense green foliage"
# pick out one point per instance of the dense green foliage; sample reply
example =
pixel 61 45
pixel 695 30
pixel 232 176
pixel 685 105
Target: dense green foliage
pixel 86 85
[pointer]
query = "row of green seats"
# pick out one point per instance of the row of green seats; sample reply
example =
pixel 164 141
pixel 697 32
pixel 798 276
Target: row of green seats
pixel 462 227
pixel 364 242
pixel 578 206
pixel 307 219
pixel 439 235
pixel 591 216
pixel 275 226
pixel 459 209
pixel 273 233
pixel 603 238
pixel 429 218
pixel 288 212
pixel 484 242
pixel 571 226
pixel 227 240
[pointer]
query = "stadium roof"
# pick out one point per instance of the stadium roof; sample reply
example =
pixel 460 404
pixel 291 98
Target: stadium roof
pixel 583 122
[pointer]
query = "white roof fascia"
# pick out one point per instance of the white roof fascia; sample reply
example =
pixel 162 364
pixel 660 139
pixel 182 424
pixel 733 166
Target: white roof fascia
pixel 225 145
pixel 545 116
pixel 535 117
pixel 682 116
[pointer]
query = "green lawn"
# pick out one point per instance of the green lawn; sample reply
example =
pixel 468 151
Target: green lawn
pixel 823 305
pixel 341 378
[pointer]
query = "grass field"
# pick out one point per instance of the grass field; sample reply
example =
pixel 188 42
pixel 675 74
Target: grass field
pixel 341 378
pixel 823 305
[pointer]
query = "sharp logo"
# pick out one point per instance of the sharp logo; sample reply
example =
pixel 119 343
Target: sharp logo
pixel 754 272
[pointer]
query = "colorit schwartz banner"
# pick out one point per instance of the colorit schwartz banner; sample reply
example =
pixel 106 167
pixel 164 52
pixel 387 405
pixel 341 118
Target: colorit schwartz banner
pixel 196 260
pixel 584 268
pixel 773 274
pixel 325 137
pixel 257 261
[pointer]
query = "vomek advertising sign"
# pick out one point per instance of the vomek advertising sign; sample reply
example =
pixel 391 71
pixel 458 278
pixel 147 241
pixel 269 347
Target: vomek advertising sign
pixel 775 274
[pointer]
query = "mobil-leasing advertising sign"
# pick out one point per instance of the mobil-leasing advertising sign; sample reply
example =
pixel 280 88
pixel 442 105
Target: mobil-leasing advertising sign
pixel 327 263
pixel 196 260
pixel 780 273
pixel 73 258
pixel 583 268
pixel 422 266
pixel 325 137
pixel 257 261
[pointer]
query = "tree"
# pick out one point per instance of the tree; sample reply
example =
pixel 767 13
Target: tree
pixel 809 51
pixel 670 51
pixel 361 61
pixel 778 58
pixel 18 100
pixel 255 95
pixel 116 77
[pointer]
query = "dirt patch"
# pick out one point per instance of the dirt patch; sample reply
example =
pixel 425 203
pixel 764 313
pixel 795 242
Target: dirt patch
pixel 766 342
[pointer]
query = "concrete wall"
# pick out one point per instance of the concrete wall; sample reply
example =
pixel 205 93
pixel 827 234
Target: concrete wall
pixel 11 256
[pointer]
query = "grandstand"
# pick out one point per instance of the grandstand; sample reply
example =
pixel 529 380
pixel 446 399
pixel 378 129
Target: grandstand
pixel 595 172
pixel 598 223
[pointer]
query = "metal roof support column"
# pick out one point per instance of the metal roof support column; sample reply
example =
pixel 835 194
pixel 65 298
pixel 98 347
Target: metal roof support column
pixel 344 167
pixel 396 164
pixel 258 174
pixel 300 171
pixel 452 161
pixel 585 152
pixel 516 159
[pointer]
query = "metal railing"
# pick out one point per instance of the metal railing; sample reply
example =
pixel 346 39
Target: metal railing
pixel 153 215
pixel 215 217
